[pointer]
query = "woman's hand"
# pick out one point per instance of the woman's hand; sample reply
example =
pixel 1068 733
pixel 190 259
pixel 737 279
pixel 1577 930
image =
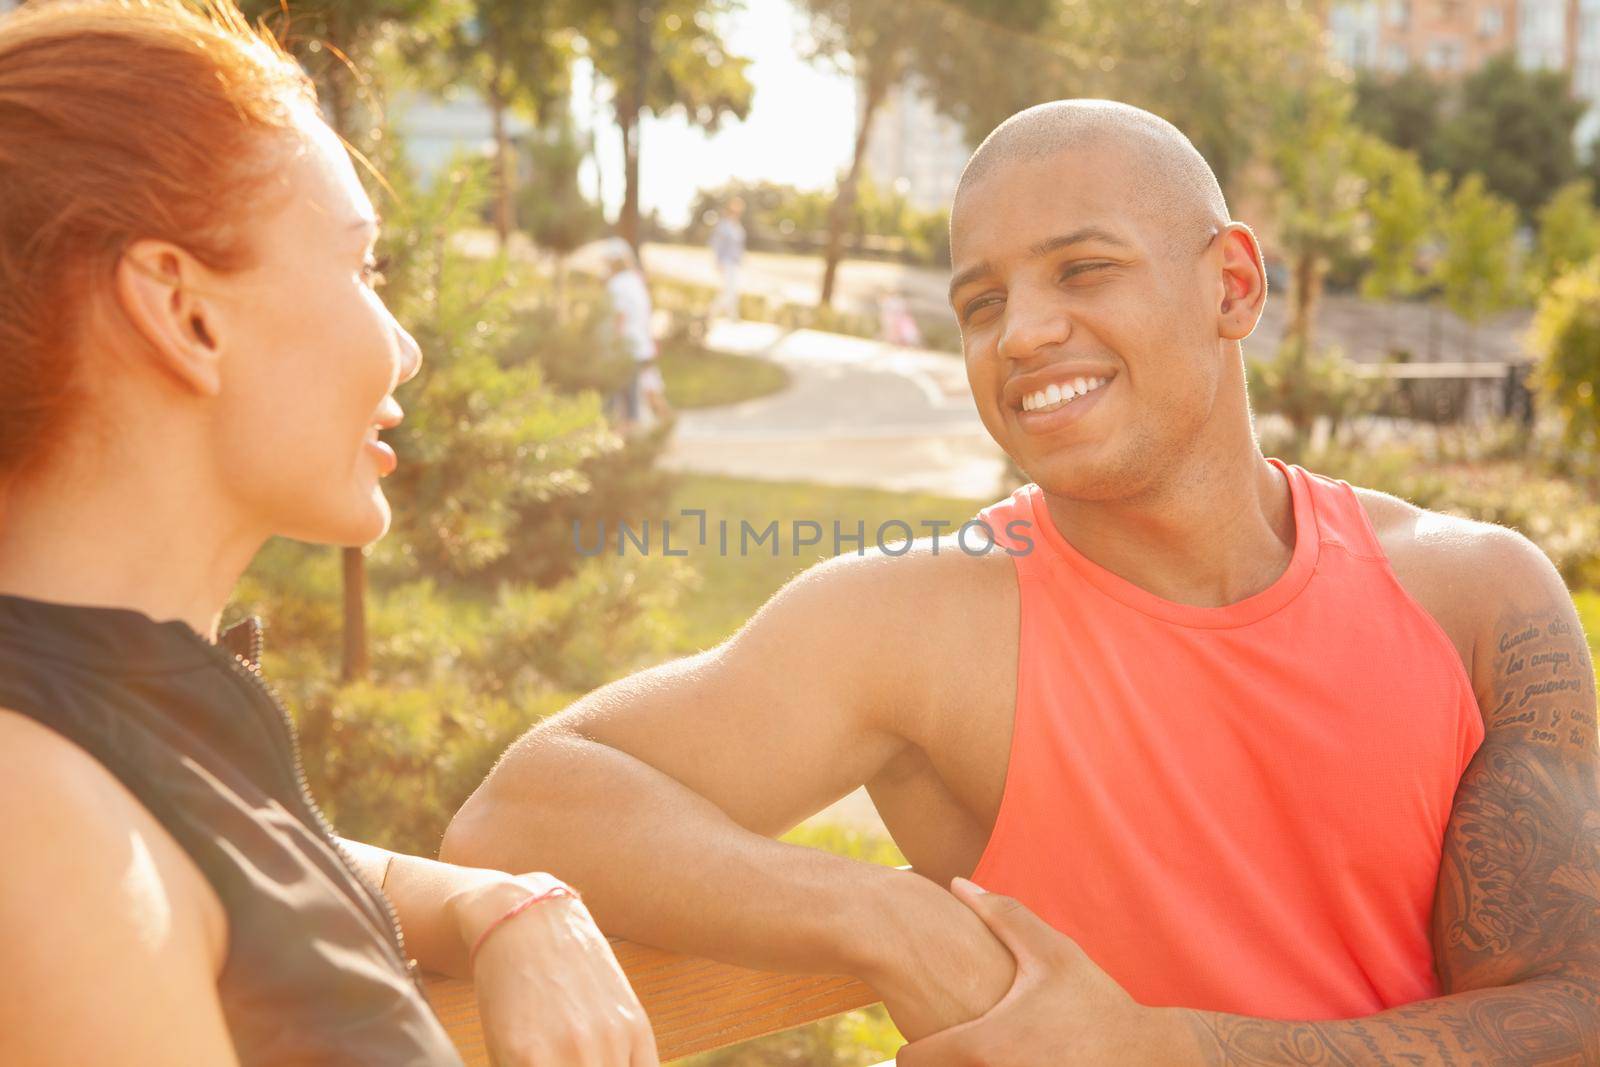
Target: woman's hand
pixel 550 992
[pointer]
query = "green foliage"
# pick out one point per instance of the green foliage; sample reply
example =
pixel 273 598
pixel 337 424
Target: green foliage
pixel 1401 205
pixel 1217 70
pixel 1303 387
pixel 687 67
pixel 1476 269
pixel 483 437
pixel 1569 233
pixel 1513 126
pixel 1567 339
pixel 1405 110
pixel 1314 153
pixel 1587 601
pixel 551 208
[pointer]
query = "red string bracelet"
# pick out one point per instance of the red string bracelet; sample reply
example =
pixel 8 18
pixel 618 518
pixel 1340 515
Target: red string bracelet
pixel 552 890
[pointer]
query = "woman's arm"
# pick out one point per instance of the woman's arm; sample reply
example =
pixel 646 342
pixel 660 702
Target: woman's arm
pixel 549 988
pixel 112 937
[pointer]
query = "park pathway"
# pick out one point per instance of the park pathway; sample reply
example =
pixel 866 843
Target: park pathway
pixel 856 413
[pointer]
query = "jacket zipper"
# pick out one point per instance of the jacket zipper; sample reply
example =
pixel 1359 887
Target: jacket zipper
pixel 252 672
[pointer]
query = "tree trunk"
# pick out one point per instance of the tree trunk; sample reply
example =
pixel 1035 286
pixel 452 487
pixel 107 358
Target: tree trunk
pixel 1308 271
pixel 355 615
pixel 628 218
pixel 560 288
pixel 505 219
pixel 631 119
pixel 877 87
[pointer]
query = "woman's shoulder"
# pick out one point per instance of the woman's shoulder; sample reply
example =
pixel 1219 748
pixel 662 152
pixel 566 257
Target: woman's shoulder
pixel 72 835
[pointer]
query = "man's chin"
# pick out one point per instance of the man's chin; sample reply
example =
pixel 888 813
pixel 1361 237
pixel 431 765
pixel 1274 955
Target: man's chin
pixel 1071 473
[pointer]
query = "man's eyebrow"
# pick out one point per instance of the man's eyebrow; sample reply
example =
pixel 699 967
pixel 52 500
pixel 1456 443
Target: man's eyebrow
pixel 1043 248
pixel 967 277
pixel 1078 236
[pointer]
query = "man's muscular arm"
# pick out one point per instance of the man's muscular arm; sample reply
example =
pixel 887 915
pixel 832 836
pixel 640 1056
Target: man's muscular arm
pixel 1517 911
pixel 658 796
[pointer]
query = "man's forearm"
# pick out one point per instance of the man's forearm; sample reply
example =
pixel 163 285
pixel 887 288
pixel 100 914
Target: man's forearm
pixel 660 864
pixel 1549 1020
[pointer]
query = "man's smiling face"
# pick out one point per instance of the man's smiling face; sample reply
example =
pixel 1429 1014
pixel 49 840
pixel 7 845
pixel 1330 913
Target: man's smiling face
pixel 1087 296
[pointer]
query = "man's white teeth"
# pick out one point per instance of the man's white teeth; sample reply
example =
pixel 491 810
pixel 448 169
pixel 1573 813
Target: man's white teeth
pixel 1053 395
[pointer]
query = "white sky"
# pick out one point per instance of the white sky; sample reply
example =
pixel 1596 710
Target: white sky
pixel 800 130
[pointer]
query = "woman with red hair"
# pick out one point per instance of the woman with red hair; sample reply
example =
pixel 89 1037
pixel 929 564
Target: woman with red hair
pixel 193 359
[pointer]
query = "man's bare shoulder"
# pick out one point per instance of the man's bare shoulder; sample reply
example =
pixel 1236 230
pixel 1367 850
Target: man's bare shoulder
pixel 1463 571
pixel 923 585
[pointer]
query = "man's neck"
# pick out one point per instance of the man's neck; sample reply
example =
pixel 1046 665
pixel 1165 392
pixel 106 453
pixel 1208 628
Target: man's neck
pixel 145 544
pixel 1208 536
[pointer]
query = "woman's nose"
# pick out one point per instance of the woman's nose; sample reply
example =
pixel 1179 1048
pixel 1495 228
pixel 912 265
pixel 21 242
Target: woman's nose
pixel 410 354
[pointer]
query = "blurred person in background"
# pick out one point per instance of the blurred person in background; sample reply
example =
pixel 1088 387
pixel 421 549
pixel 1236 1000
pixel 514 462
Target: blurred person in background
pixel 632 314
pixel 193 359
pixel 727 248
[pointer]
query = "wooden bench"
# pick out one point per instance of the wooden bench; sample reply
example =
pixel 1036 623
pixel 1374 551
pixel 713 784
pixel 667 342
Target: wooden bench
pixel 695 1005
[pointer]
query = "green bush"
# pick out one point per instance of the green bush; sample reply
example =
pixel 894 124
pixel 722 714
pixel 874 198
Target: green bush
pixel 1305 387
pixel 1566 332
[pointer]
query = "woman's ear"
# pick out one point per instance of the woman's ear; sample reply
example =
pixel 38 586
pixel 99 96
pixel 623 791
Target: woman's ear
pixel 156 287
pixel 1244 282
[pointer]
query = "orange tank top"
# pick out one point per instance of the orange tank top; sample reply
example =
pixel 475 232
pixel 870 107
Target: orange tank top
pixel 1241 808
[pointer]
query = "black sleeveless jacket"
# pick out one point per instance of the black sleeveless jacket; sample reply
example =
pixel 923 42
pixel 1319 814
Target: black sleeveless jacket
pixel 316 970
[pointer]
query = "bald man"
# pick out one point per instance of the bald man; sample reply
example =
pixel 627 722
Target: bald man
pixel 1256 767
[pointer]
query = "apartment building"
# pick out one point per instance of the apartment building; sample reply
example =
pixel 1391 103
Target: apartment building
pixel 915 149
pixel 1455 37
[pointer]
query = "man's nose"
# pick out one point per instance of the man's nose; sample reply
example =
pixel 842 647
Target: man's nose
pixel 410 354
pixel 1032 327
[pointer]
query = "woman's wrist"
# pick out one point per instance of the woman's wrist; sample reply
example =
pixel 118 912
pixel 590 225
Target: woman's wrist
pixel 481 908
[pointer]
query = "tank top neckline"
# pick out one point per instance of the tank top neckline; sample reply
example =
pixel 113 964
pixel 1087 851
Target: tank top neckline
pixel 1252 609
pixel 108 637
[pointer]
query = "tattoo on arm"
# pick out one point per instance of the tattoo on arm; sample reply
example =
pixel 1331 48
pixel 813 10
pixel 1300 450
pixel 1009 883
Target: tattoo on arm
pixel 1517 911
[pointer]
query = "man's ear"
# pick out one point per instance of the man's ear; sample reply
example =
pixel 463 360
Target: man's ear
pixel 156 287
pixel 1244 282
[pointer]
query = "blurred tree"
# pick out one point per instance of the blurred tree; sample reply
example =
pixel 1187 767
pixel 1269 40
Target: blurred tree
pixel 1320 192
pixel 554 211
pixel 1401 205
pixel 981 61
pixel 518 54
pixel 872 39
pixel 664 57
pixel 334 40
pixel 977 61
pixel 483 432
pixel 1514 127
pixel 1216 70
pixel 1567 339
pixel 1569 234
pixel 1405 110
pixel 1475 269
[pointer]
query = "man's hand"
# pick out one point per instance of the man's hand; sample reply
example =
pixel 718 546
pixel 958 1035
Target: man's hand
pixel 1062 1008
pixel 933 962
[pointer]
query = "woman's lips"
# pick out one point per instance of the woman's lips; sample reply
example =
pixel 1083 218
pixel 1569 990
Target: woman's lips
pixel 384 455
